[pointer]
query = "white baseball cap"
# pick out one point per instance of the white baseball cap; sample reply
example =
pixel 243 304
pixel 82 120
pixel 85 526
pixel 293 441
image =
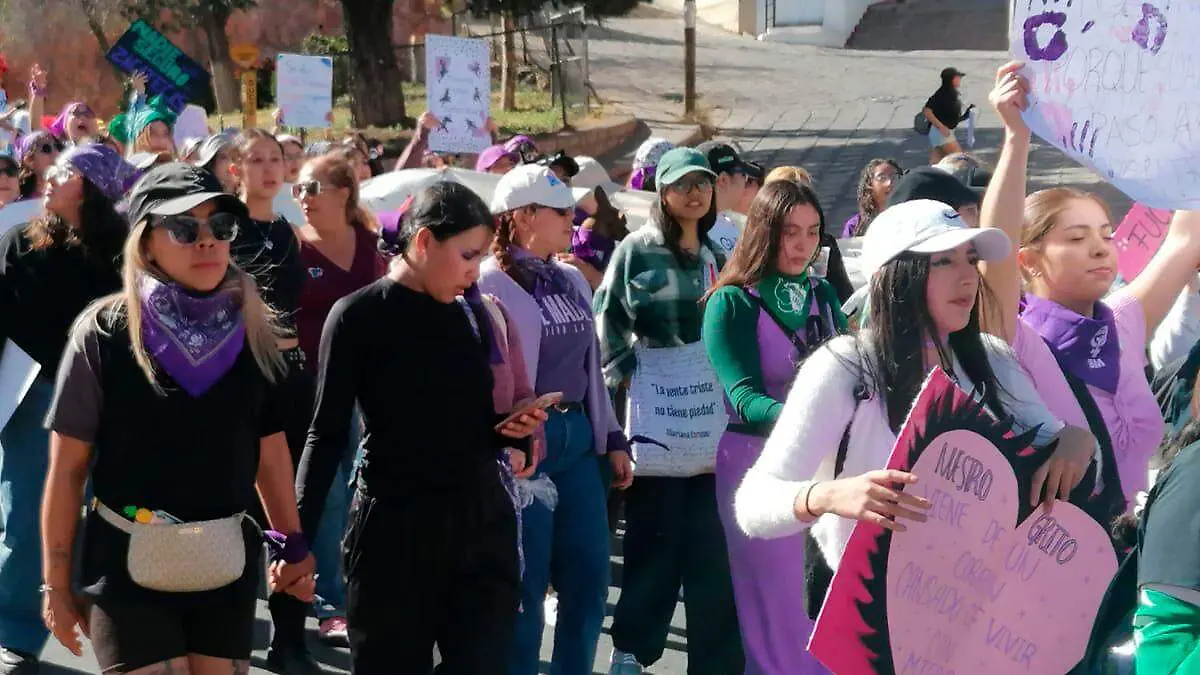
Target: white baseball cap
pixel 925 226
pixel 533 184
pixel 592 175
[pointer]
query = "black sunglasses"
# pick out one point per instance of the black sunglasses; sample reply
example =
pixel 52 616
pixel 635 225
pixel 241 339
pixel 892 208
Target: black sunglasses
pixel 9 170
pixel 559 211
pixel 185 230
pixel 308 187
pixel 47 148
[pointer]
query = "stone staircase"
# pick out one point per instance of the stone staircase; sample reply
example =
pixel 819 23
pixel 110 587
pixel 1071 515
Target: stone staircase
pixel 909 25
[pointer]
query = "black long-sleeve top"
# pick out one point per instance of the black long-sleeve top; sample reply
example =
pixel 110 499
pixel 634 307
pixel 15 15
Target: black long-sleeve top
pixel 947 106
pixel 421 377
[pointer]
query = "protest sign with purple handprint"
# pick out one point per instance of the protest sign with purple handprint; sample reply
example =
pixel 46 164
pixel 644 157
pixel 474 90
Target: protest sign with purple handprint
pixel 1115 84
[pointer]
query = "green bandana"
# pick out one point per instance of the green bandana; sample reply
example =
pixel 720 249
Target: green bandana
pixel 790 299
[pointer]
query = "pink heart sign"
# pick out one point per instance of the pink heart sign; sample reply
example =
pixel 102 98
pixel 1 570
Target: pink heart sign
pixel 973 591
pixel 987 584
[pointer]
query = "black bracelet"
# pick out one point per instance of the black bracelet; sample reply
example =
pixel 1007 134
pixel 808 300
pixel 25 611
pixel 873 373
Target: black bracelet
pixel 808 494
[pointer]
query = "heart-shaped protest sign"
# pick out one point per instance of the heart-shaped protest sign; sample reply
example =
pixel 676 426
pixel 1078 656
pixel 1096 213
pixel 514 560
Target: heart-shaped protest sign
pixel 1113 86
pixel 987 584
pixel 973 591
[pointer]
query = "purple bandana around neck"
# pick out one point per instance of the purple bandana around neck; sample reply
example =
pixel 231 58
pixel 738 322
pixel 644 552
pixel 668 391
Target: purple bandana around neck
pixel 547 279
pixel 196 340
pixel 1087 348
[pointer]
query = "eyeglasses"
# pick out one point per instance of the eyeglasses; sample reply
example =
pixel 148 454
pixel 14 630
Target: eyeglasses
pixel 185 230
pixel 310 187
pixel 83 111
pixel 885 177
pixel 688 183
pixel 9 170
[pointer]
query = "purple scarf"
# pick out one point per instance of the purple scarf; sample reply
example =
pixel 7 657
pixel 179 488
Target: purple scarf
pixel 590 246
pixel 1087 348
pixel 195 339
pixel 547 279
pixel 638 180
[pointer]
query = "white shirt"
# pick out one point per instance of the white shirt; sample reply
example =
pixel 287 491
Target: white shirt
pixel 803 446
pixel 725 232
pixel 1179 329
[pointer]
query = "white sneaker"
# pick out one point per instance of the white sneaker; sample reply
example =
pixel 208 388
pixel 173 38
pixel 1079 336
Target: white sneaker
pixel 624 664
pixel 550 610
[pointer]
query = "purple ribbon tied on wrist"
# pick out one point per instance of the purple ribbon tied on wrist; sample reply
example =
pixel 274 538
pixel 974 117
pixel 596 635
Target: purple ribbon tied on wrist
pixel 290 548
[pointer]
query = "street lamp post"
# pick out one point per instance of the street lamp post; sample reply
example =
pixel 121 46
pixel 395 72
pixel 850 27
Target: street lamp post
pixel 689 57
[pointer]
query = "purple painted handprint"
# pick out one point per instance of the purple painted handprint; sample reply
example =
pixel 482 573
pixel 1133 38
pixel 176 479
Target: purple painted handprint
pixel 1079 139
pixel 1053 48
pixel 1151 31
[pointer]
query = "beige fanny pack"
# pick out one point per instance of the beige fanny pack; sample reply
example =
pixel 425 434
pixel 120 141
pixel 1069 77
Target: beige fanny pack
pixel 182 558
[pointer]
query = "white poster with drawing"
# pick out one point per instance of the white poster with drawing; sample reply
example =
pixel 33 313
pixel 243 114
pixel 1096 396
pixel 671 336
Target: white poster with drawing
pixel 458 87
pixel 17 372
pixel 304 90
pixel 1116 86
pixel 675 413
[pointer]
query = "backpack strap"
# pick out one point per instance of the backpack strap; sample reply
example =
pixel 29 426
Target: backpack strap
pixel 1110 502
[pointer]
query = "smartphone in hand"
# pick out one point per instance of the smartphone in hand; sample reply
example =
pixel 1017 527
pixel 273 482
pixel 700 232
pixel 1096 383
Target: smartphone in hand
pixel 541 403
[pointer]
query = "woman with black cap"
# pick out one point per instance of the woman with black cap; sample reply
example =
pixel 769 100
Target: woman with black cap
pixel 430 555
pixel 944 111
pixel 167 400
pixel 50 270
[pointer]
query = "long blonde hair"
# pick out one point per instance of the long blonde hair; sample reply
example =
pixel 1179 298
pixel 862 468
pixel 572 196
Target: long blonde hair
pixel 262 329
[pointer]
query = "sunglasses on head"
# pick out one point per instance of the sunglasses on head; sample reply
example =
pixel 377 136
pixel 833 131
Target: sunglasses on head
pixel 692 182
pixel 185 230
pixel 308 187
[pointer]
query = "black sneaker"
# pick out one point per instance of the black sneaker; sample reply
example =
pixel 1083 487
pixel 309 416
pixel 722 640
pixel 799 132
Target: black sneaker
pixel 13 662
pixel 289 660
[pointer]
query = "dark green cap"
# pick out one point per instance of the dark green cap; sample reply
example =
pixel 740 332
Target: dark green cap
pixel 678 163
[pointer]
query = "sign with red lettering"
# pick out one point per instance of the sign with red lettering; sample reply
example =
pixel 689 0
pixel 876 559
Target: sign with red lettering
pixel 1138 237
pixel 988 584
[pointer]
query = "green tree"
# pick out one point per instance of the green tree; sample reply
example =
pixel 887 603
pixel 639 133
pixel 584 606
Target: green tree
pixel 209 17
pixel 376 98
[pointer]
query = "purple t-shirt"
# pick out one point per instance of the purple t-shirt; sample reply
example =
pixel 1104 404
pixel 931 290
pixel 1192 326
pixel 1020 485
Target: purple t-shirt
pixel 567 332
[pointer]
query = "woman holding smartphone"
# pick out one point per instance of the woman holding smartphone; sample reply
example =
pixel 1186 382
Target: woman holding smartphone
pixel 167 400
pixel 550 302
pixel 429 504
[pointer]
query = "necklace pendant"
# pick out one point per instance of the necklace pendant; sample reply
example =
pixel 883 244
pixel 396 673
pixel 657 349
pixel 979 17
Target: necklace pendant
pixel 269 245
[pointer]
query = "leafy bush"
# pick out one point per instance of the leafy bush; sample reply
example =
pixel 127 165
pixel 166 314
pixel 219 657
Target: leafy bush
pixel 337 47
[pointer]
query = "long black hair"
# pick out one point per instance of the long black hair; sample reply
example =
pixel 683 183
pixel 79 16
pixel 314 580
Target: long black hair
pixel 101 231
pixel 867 208
pixel 897 329
pixel 672 231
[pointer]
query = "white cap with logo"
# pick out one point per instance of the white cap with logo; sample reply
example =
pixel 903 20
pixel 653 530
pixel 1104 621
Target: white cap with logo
pixel 530 184
pixel 925 226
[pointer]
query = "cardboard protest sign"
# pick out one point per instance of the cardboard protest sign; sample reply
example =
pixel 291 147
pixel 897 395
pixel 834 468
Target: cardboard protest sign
pixel 1114 85
pixel 1138 238
pixel 304 90
pixel 675 412
pixel 458 85
pixel 988 584
pixel 170 72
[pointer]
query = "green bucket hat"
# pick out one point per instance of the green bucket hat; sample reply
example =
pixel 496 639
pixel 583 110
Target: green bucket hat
pixel 678 163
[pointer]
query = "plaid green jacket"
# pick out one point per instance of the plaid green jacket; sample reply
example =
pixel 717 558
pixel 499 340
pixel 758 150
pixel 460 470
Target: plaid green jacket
pixel 649 298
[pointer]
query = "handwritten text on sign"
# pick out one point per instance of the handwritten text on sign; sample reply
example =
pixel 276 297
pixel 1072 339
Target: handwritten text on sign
pixel 304 87
pixel 1138 237
pixel 169 71
pixel 988 584
pixel 677 406
pixel 971 590
pixel 1116 85
pixel 458 86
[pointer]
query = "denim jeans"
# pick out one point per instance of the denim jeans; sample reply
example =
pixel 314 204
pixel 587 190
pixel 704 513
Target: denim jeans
pixel 24 460
pixel 327 547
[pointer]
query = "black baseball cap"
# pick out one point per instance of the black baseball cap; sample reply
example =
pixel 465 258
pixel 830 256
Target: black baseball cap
pixel 722 158
pixel 951 73
pixel 755 171
pixel 929 182
pixel 563 161
pixel 175 188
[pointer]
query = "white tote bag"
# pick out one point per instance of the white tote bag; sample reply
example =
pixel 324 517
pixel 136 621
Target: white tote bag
pixel 676 412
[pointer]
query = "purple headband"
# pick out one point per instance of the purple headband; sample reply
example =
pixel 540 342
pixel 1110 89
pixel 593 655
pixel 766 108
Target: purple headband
pixel 515 144
pixel 102 167
pixel 25 143
pixel 59 126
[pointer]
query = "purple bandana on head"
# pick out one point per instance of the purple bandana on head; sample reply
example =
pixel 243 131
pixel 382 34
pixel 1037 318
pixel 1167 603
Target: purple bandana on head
pixel 102 167
pixel 1087 348
pixel 195 339
pixel 26 143
pixel 59 126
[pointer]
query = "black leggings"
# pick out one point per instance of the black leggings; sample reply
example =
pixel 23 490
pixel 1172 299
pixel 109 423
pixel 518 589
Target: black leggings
pixel 432 569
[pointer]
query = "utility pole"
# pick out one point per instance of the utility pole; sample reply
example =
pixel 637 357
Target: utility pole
pixel 689 57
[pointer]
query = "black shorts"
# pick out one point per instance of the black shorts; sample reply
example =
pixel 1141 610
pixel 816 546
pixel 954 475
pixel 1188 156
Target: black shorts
pixel 130 635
